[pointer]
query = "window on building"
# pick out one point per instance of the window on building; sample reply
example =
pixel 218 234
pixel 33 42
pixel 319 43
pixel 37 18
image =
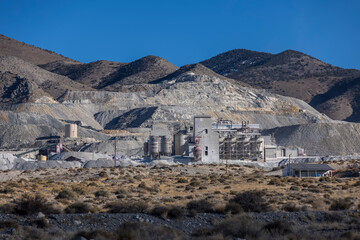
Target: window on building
pixel 206 131
pixel 191 128
pixel 206 150
pixel 283 152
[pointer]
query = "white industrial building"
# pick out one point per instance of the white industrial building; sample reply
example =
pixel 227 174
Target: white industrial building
pixel 212 142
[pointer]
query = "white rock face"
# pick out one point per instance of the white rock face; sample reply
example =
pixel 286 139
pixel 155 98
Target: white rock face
pixel 187 95
pixel 7 161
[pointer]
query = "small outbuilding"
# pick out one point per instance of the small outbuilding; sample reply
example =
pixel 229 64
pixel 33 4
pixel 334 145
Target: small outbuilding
pixel 307 170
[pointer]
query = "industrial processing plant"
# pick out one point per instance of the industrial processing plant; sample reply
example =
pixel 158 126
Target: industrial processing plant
pixel 212 142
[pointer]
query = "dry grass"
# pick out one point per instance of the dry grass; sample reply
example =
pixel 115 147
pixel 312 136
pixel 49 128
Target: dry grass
pixel 175 186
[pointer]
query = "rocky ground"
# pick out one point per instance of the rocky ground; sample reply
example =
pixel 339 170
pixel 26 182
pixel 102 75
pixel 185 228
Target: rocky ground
pixel 63 226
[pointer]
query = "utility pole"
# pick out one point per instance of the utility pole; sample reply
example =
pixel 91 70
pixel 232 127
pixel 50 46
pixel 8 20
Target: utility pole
pixel 115 153
pixel 290 174
pixel 264 153
pixel 226 159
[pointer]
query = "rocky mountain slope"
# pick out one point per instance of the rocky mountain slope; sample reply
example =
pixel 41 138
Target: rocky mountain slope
pixel 292 73
pixel 112 76
pixel 23 81
pixel 144 70
pixel 91 74
pixel 181 98
pixel 29 53
pixel 198 69
pixel 36 102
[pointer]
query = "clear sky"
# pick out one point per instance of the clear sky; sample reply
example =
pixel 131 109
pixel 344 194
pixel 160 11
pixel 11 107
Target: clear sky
pixel 186 31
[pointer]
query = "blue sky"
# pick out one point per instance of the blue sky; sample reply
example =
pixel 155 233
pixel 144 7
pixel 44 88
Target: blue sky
pixel 186 31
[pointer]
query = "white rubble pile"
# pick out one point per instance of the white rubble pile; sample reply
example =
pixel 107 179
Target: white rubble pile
pixel 7 161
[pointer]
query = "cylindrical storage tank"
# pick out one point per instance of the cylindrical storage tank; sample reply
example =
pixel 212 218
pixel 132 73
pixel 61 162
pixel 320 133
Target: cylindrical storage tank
pixel 181 144
pixel 197 154
pixel 42 158
pixel 166 145
pixel 146 149
pixel 71 131
pixel 154 146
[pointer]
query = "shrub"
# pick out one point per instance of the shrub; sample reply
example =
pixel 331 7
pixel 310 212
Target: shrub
pixel 101 193
pixel 79 207
pixel 79 190
pixel 176 212
pixel 290 207
pixel 146 231
pixel 127 207
pixel 277 229
pixel 252 201
pixel 8 208
pixel 103 174
pixel 195 183
pixel 294 188
pixel 121 191
pixel 8 224
pixel 200 206
pixel 341 204
pixel 182 180
pixel 95 234
pixel 67 194
pixel 238 227
pixel 29 204
pixel 234 208
pixel 160 211
pixel 40 223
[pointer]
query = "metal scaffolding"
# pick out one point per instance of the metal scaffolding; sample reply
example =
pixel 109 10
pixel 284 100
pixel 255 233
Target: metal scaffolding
pixel 240 147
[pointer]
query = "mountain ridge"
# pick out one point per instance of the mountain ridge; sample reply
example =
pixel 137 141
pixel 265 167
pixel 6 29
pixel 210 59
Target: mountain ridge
pixel 27 52
pixel 293 74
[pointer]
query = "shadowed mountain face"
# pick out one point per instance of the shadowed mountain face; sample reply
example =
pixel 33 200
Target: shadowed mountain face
pixel 91 74
pixel 327 88
pixel 29 53
pixel 23 81
pixel 144 70
pixel 112 76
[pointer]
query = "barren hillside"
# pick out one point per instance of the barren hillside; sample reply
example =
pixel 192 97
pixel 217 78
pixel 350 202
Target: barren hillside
pixel 29 53
pixel 294 74
pixel 91 74
pixel 144 70
pixel 40 80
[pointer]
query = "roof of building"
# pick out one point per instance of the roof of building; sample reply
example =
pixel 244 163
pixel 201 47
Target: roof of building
pixel 202 116
pixel 311 167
